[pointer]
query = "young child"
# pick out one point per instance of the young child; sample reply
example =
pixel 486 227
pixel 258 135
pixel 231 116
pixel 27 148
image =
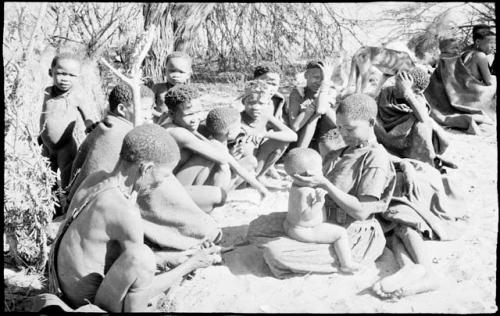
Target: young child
pixel 476 61
pixel 311 107
pixel 63 119
pixel 178 71
pixel 476 30
pixel 270 73
pixel 184 118
pixel 262 131
pixel 222 125
pixel 306 217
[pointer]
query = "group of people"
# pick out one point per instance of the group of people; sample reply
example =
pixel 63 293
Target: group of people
pixel 137 218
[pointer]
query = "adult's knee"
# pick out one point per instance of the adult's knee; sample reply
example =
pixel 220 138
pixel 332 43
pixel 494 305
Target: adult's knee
pixel 140 258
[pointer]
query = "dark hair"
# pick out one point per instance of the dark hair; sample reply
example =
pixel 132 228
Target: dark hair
pixel 313 64
pixel 265 68
pixel 482 34
pixel 218 120
pixel 122 93
pixel 149 142
pixel 68 56
pixel 479 27
pixel 178 54
pixel 358 106
pixel 178 95
pixel 420 78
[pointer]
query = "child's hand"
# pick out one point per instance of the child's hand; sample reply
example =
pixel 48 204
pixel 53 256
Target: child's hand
pixel 405 82
pixel 205 257
pixel 327 70
pixel 308 105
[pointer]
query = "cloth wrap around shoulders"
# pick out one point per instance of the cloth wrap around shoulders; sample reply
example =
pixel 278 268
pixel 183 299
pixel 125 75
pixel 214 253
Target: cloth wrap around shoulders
pixel 171 219
pixel 405 135
pixel 365 171
pixel 456 94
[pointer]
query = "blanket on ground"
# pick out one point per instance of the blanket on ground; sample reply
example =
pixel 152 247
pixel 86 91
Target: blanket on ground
pixel 455 94
pixel 287 257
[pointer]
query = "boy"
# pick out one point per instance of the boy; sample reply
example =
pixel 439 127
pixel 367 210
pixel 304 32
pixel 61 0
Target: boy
pixel 476 61
pixel 311 111
pixel 184 118
pixel 99 254
pixel 477 29
pixel 100 150
pixel 178 71
pixel 270 73
pixel 63 119
pixel 222 125
pixel 404 126
pixel 265 133
pixel 306 217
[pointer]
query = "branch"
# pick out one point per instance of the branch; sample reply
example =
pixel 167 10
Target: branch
pixel 116 72
pixel 145 49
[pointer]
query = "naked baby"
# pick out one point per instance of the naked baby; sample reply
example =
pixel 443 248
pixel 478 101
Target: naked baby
pixel 306 217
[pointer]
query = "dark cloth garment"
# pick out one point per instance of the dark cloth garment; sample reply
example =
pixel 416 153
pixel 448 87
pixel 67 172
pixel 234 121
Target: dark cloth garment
pixel 100 151
pixel 406 136
pixel 438 211
pixel 365 171
pixel 456 96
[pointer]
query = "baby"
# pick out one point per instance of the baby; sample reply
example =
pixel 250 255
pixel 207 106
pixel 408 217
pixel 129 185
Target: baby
pixel 306 217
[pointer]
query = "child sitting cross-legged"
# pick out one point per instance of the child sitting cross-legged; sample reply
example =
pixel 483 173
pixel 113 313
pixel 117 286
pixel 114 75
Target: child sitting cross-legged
pixel 306 217
pixel 184 119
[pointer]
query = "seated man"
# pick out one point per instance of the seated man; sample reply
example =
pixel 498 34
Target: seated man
pixel 404 125
pixel 178 71
pixel 99 254
pixel 311 110
pixel 182 123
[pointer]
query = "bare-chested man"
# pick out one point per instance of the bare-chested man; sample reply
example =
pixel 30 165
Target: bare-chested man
pixel 99 255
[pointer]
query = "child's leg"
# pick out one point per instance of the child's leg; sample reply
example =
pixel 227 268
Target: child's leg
pixel 65 158
pixel 195 171
pixel 268 153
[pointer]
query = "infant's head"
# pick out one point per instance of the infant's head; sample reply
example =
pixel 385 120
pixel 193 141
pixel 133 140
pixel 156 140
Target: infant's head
pixel 300 160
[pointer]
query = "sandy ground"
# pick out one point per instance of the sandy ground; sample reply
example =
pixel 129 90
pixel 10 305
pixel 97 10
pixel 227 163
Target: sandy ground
pixel 244 283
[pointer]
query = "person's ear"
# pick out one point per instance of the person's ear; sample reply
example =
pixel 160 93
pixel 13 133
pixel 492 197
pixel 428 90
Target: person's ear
pixel 371 121
pixel 146 168
pixel 50 72
pixel 121 110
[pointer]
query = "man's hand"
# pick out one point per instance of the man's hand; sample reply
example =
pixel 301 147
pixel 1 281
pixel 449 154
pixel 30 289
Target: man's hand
pixel 409 178
pixel 205 257
pixel 405 82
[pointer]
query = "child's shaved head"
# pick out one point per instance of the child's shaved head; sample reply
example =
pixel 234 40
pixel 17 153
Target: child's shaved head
pixel 149 143
pixel 300 160
pixel 420 78
pixel 219 120
pixel 358 106
pixel 122 93
pixel 179 95
pixel 64 56
pixel 177 54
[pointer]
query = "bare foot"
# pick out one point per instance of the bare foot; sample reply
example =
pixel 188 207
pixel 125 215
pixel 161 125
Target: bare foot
pixel 408 281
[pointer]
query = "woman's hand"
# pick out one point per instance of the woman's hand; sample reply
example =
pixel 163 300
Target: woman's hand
pixel 310 179
pixel 410 189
